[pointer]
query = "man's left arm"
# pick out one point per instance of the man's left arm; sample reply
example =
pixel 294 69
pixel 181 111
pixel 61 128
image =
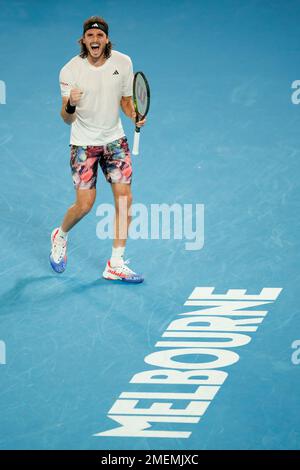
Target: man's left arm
pixel 128 109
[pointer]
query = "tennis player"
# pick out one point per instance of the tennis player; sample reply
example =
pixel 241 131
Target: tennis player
pixel 94 86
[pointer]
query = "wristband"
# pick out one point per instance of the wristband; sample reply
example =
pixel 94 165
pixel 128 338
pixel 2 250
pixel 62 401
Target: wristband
pixel 69 108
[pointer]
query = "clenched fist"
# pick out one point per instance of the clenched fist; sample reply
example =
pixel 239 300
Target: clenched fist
pixel 75 96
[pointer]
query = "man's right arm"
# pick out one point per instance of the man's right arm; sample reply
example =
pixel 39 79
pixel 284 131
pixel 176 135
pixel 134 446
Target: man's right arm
pixel 73 99
pixel 68 118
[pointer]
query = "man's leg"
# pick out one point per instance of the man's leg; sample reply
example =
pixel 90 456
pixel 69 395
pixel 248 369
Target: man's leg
pixel 84 166
pixel 116 268
pixel 117 168
pixel 85 199
pixel 84 202
pixel 123 200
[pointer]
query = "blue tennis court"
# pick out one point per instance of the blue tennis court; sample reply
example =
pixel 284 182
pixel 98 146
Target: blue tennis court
pixel 222 138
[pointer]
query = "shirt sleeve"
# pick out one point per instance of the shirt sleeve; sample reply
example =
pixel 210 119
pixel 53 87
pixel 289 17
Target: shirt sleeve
pixel 128 80
pixel 66 81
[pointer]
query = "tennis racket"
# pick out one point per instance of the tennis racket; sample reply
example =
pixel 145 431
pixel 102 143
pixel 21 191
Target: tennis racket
pixel 141 101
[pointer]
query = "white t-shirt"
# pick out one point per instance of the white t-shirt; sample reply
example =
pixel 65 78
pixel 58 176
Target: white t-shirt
pixel 97 115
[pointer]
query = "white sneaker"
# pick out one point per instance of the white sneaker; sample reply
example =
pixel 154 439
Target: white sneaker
pixel 58 255
pixel 121 273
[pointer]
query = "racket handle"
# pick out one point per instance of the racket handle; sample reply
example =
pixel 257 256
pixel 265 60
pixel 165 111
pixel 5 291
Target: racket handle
pixel 136 142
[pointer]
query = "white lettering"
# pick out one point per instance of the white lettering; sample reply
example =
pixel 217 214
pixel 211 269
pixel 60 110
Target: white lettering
pixel 139 225
pixel 105 228
pixel 167 376
pixel 214 323
pixel 164 358
pixel 165 227
pixel 296 95
pixel 202 393
pixel 198 234
pixel 2 353
pixel 296 354
pixel 235 340
pixel 134 426
pixel 2 92
pixel 194 408
pixel 193 348
pixel 234 294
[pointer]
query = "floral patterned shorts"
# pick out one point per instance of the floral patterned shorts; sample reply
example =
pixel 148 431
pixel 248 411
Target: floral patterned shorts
pixel 114 159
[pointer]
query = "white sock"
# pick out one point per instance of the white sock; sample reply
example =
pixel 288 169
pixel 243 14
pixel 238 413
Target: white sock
pixel 117 256
pixel 62 234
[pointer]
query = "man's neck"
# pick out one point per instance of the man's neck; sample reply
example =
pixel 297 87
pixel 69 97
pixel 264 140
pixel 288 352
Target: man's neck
pixel 96 62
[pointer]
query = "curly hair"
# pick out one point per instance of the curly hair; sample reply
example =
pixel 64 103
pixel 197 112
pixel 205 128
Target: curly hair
pixel 83 49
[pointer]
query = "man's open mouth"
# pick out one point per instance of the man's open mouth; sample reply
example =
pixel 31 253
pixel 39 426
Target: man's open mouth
pixel 95 47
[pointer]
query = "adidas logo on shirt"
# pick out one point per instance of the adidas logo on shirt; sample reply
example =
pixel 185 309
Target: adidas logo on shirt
pixel 116 72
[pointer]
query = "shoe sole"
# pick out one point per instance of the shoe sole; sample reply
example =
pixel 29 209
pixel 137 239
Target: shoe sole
pixel 124 281
pixel 56 268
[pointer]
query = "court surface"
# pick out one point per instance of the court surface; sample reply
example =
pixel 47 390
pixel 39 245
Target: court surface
pixel 223 132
